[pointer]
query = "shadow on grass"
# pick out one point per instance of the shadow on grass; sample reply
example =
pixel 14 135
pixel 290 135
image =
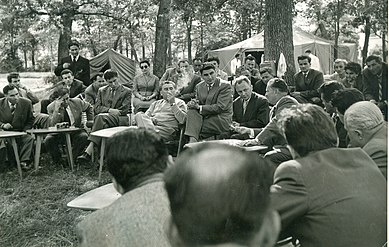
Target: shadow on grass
pixel 33 211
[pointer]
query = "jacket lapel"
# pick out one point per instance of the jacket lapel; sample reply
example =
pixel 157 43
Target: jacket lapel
pixel 212 92
pixel 118 92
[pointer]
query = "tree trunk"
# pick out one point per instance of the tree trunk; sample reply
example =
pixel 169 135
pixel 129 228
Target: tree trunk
pixel 116 43
pixel 259 27
pixel 367 31
pixel 143 46
pixel 384 49
pixel 243 26
pixel 25 55
pixel 189 37
pixel 169 51
pixel 279 34
pixel 33 57
pixel 161 37
pixel 201 38
pixel 65 35
pixel 134 55
pixel 337 29
pixel 127 46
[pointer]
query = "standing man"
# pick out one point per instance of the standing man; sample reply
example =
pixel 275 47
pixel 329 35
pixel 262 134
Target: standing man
pixel 307 81
pixel 375 80
pixel 235 63
pixel 113 103
pixel 211 112
pixel 14 79
pixel 16 115
pixel 219 73
pixel 315 62
pixel 76 63
pixel 66 109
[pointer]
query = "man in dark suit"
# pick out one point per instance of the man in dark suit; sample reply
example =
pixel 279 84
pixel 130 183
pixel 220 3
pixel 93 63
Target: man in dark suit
pixel 307 82
pixel 16 115
pixel 326 196
pixel 113 103
pixel 266 74
pixel 91 91
pixel 136 159
pixel 210 113
pixel 250 109
pixel 66 109
pixel 186 81
pixel 14 79
pixel 76 63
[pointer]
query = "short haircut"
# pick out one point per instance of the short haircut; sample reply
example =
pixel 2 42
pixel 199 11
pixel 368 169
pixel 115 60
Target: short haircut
pixel 207 66
pixel 134 154
pixel 183 61
pixel 61 92
pixel 101 74
pixel 66 71
pixel 266 69
pixel 197 59
pixel 375 58
pixel 168 82
pixel 363 115
pixel 73 42
pixel 237 55
pixel 308 51
pixel 12 75
pixel 144 61
pixel 109 74
pixel 303 57
pixel 241 79
pixel 8 88
pixel 250 57
pixel 344 98
pixel 218 194
pixel 307 128
pixel 354 67
pixel 339 60
pixel 211 59
pixel 279 84
pixel 328 88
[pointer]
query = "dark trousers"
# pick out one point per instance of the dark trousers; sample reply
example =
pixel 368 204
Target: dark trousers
pixel 25 146
pixel 201 127
pixel 104 121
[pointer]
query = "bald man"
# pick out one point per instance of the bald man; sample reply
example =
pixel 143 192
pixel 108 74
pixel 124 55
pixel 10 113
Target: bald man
pixel 219 196
pixel 367 129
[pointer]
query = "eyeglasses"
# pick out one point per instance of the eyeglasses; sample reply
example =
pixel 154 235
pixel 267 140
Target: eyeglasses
pixel 144 67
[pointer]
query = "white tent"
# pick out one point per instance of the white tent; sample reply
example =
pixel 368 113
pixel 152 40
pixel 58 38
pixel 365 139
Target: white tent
pixel 322 48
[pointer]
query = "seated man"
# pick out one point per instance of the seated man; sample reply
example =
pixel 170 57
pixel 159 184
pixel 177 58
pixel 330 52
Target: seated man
pixel 14 79
pixel 16 115
pixel 65 109
pixel 210 113
pixel 250 109
pixel 136 159
pixel 220 196
pixel 219 72
pixel 186 81
pixel 266 74
pixel 327 196
pixel 251 64
pixel 112 106
pixel 353 76
pixel 165 114
pixel 344 98
pixel 367 129
pixel 91 91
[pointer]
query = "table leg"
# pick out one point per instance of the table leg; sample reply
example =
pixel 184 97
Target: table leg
pixel 70 151
pixel 102 151
pixel 37 151
pixel 15 148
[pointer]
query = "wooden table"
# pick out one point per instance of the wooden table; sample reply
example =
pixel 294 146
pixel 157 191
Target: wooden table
pixel 39 133
pixel 96 199
pixel 12 135
pixel 232 142
pixel 104 134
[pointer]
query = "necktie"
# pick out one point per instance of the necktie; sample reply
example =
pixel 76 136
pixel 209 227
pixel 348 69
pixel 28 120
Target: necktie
pixel 245 103
pixel 379 88
pixel 13 107
pixel 209 87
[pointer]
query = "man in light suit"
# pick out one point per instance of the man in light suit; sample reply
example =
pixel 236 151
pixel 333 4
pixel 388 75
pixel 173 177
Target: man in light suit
pixel 113 103
pixel 76 63
pixel 327 196
pixel 367 129
pixel 307 82
pixel 136 159
pixel 66 109
pixel 210 113
pixel 16 115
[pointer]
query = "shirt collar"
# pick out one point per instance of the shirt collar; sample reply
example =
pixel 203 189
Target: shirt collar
pixel 75 58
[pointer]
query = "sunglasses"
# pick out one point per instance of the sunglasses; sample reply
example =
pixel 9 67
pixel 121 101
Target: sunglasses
pixel 144 67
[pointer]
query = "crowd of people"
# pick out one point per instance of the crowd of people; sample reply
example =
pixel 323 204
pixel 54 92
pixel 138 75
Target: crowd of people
pixel 322 180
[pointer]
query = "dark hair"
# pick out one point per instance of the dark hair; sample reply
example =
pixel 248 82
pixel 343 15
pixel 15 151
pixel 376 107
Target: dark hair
pixel 183 61
pixel 344 98
pixel 266 69
pixel 375 58
pixel 61 92
pixel 210 59
pixel 250 57
pixel 218 194
pixel 12 75
pixel 308 51
pixel 328 88
pixel 144 61
pixel 197 59
pixel 134 154
pixel 101 74
pixel 109 74
pixel 237 55
pixel 8 88
pixel 279 84
pixel 66 71
pixel 307 128
pixel 303 57
pixel 241 79
pixel 73 42
pixel 167 82
pixel 354 67
pixel 207 66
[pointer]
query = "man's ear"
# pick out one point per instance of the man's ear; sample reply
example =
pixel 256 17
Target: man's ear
pixel 359 134
pixel 268 234
pixel 173 235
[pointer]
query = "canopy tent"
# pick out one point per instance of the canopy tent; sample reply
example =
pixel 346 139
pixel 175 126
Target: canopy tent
pixel 110 59
pixel 322 48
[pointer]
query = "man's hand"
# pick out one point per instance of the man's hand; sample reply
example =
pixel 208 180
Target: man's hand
pixel 66 65
pixel 193 104
pixel 247 143
pixel 294 94
pixel 7 126
pixel 242 130
pixel 235 124
pixel 114 111
pixel 154 120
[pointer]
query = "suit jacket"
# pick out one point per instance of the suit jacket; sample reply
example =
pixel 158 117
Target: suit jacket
pixel 187 93
pixel 377 149
pixel 136 219
pixel 334 197
pixel 91 94
pixel 308 86
pixel 217 103
pixel 120 101
pixel 29 95
pixel 75 89
pixel 22 119
pixel 256 114
pixel 77 106
pixel 270 135
pixel 80 68
pixel 371 82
